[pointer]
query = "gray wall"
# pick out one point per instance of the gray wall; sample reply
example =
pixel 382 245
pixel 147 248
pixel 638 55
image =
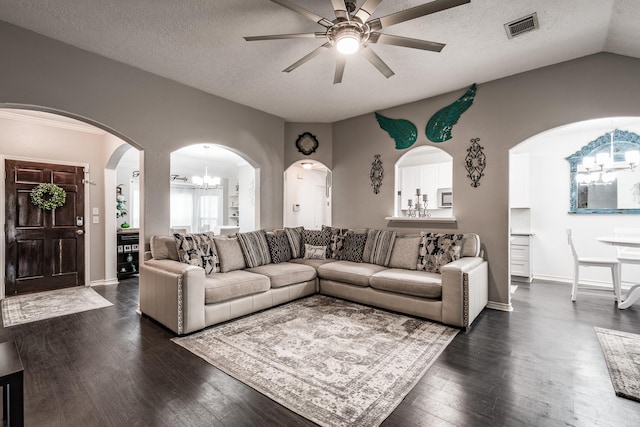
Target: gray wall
pixel 322 132
pixel 505 113
pixel 156 114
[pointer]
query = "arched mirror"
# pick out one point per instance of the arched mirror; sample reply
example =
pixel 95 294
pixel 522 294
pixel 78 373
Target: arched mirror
pixel 604 175
pixel 424 178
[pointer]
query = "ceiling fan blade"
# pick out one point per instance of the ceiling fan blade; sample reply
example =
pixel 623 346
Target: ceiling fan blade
pixel 286 36
pixel 405 42
pixel 304 12
pixel 340 9
pixel 308 57
pixel 342 61
pixel 377 62
pixel 366 10
pixel 413 13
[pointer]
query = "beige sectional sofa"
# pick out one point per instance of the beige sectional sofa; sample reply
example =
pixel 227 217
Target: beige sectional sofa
pixel 185 299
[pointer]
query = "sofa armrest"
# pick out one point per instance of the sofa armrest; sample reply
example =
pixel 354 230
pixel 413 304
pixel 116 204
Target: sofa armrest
pixel 172 293
pixel 465 290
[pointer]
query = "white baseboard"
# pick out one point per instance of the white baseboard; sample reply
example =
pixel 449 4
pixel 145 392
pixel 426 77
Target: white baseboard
pixel 113 281
pixel 590 283
pixel 499 306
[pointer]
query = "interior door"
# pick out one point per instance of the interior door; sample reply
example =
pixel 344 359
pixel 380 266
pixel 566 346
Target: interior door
pixel 44 249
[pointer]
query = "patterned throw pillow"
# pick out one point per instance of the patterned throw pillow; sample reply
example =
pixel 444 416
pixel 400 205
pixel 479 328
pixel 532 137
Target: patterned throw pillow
pixel 279 247
pixel 317 238
pixel 198 250
pixel 377 249
pixel 315 252
pixel 438 249
pixel 255 248
pixel 336 241
pixel 405 253
pixel 353 247
pixel 295 240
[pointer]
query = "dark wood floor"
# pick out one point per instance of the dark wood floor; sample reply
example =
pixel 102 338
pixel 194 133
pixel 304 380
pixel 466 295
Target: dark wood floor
pixel 540 365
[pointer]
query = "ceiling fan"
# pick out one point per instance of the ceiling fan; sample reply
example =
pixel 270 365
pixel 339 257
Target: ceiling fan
pixel 354 31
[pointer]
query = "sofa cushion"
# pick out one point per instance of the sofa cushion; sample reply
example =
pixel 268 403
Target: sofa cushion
pixel 295 240
pixel 285 273
pixel 316 238
pixel 355 273
pixel 199 250
pixel 438 249
pixel 405 253
pixel 219 287
pixel 353 247
pixel 471 245
pixel 377 249
pixel 315 252
pixel 336 241
pixel 164 247
pixel 255 248
pixel 230 254
pixel 279 247
pixel 315 263
pixel 409 282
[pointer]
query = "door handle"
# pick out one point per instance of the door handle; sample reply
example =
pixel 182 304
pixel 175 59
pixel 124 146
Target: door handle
pixel 80 232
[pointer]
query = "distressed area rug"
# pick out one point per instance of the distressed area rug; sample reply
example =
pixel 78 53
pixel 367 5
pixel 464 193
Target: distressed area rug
pixel 45 305
pixel 622 354
pixel 334 362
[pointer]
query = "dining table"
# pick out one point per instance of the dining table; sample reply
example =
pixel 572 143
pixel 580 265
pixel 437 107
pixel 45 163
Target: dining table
pixel 627 242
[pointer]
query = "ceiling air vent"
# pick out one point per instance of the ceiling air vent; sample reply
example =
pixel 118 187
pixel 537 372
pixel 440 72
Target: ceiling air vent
pixel 522 25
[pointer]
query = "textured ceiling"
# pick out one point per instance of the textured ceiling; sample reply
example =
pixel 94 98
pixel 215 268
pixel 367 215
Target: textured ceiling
pixel 199 43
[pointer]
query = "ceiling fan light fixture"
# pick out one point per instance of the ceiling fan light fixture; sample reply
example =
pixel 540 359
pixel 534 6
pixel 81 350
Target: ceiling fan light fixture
pixel 348 42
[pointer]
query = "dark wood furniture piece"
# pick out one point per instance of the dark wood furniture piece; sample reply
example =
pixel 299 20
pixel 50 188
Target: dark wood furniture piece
pixel 128 252
pixel 11 379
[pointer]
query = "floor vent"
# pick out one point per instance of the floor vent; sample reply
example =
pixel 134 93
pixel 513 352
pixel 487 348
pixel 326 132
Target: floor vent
pixel 522 25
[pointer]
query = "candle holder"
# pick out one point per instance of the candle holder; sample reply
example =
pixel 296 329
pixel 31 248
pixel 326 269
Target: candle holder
pixel 419 210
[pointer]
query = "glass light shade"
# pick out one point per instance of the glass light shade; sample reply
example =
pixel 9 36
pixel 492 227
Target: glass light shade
pixel 307 166
pixel 215 181
pixel 632 157
pixel 348 42
pixel 208 180
pixel 608 177
pixel 197 180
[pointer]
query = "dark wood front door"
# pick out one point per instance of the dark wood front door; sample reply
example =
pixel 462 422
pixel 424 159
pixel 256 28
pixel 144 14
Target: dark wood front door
pixel 44 248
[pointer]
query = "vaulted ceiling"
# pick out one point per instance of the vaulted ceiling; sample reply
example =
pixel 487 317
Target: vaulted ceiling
pixel 200 43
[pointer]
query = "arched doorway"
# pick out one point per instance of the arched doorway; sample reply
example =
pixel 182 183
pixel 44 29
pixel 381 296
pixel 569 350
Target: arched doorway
pixel 213 189
pixel 307 195
pixel 51 136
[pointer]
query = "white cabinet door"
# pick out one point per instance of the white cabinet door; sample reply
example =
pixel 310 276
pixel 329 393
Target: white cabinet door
pixel 519 191
pixel 410 180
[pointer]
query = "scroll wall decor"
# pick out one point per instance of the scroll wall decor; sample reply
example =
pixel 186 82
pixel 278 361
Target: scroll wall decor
pixel 402 131
pixel 376 174
pixel 441 123
pixel 475 162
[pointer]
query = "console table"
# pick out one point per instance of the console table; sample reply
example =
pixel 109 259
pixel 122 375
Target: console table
pixel 629 242
pixel 11 379
pixel 128 252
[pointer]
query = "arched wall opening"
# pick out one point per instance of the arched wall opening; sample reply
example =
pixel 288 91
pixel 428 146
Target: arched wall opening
pixel 213 188
pixel 539 204
pixel 424 175
pixel 46 135
pixel 307 195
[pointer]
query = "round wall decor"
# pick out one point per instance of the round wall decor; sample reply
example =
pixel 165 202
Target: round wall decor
pixel 48 196
pixel 307 143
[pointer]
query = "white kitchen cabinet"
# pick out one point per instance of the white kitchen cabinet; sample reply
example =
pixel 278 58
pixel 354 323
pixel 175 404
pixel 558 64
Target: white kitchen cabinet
pixel 519 181
pixel 521 256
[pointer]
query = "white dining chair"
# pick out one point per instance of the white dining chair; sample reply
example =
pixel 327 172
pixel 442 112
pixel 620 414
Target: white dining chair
pixel 611 263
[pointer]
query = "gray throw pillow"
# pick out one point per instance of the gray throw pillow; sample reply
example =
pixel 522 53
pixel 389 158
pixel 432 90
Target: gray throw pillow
pixel 316 238
pixel 230 253
pixel 353 247
pixel 255 248
pixel 405 253
pixel 295 240
pixel 377 249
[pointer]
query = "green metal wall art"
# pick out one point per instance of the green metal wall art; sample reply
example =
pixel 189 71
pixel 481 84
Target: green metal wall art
pixel 441 123
pixel 402 131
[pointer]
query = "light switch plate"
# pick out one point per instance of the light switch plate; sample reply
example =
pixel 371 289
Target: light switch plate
pixel 96 211
pixel 96 219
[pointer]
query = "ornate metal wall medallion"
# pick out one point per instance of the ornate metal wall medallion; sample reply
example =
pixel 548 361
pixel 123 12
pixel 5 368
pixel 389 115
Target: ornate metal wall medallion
pixel 307 143
pixel 475 162
pixel 402 131
pixel 441 123
pixel 376 174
